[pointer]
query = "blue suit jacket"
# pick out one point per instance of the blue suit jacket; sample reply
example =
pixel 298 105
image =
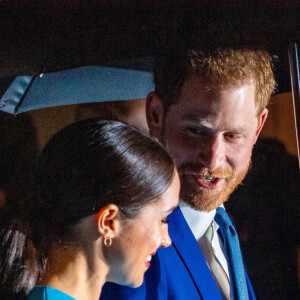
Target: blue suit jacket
pixel 178 272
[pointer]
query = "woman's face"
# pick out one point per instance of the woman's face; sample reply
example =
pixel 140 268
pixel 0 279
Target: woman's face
pixel 139 239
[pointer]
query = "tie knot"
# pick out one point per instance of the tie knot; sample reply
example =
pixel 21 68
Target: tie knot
pixel 222 218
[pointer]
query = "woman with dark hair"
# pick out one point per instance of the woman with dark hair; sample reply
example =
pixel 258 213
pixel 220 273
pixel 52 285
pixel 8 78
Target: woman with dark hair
pixel 102 194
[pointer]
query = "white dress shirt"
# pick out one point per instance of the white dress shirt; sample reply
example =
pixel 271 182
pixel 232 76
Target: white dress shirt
pixel 199 222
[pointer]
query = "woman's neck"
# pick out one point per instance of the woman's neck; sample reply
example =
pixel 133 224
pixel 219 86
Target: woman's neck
pixel 77 274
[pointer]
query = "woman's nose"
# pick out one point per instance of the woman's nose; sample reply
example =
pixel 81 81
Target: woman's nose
pixel 166 240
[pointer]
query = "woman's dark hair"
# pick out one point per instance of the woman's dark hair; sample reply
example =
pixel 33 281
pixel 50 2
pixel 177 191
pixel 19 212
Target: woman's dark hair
pixel 18 153
pixel 84 167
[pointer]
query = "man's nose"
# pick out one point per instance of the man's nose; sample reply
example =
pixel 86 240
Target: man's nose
pixel 212 152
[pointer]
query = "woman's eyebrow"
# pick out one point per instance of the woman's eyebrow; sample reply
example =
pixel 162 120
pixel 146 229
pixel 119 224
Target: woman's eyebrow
pixel 170 209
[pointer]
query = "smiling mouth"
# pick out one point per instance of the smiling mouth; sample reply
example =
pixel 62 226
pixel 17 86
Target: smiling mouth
pixel 208 182
pixel 149 258
pixel 209 179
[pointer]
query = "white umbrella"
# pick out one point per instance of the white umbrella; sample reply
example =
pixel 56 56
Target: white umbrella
pixel 115 81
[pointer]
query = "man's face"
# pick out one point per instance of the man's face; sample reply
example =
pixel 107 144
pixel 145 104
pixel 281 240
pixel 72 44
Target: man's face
pixel 210 134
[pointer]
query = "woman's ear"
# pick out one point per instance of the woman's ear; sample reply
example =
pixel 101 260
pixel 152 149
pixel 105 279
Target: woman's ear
pixel 107 221
pixel 154 114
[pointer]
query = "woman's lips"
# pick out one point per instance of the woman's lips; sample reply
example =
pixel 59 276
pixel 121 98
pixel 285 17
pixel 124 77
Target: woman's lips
pixel 208 182
pixel 148 260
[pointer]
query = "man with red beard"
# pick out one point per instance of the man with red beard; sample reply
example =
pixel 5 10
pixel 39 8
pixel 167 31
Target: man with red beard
pixel 208 109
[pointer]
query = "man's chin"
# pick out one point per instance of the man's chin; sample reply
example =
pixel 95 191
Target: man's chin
pixel 206 201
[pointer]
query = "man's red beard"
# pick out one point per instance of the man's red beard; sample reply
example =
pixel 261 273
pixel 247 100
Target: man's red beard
pixel 203 199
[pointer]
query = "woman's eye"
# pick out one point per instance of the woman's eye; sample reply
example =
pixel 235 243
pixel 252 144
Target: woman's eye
pixel 165 221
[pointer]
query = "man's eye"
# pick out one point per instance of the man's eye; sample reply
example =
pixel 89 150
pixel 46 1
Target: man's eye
pixel 195 131
pixel 232 136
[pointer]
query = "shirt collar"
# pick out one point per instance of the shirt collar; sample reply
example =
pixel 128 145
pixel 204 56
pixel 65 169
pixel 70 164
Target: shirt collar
pixel 198 221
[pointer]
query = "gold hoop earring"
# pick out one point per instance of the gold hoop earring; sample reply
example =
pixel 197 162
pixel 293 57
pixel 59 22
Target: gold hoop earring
pixel 107 242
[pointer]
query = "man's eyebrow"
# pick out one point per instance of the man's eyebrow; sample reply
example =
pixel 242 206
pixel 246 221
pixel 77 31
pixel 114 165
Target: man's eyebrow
pixel 208 126
pixel 170 209
pixel 198 120
pixel 242 129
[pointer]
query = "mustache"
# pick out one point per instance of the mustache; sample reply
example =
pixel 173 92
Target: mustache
pixel 200 170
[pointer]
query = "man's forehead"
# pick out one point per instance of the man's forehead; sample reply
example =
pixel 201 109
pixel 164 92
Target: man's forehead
pixel 204 98
pixel 205 106
pixel 220 84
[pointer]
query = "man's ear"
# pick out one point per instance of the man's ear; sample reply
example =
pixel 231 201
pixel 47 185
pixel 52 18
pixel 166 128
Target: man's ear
pixel 154 114
pixel 261 121
pixel 107 221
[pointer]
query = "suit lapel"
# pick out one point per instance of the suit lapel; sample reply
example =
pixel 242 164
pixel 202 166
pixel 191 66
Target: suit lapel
pixel 188 249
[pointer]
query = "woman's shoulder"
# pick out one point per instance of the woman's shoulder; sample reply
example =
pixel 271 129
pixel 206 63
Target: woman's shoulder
pixel 47 293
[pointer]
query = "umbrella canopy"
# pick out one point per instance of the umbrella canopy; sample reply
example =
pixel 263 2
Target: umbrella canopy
pixel 114 81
